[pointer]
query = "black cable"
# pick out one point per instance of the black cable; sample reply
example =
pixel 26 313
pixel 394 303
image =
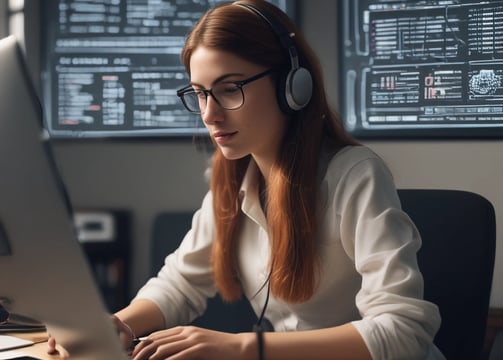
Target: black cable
pixel 257 328
pixel 262 314
pixel 260 340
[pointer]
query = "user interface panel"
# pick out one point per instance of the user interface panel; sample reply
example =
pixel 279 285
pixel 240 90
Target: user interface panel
pixel 422 68
pixel 112 68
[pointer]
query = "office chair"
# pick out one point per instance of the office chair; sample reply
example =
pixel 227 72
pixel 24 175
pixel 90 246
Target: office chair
pixel 458 230
pixel 457 259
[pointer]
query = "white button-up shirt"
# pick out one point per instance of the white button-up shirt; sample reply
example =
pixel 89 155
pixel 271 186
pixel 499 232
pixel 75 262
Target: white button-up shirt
pixel 368 275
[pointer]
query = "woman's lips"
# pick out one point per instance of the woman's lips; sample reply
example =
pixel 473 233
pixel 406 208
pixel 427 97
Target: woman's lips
pixel 221 137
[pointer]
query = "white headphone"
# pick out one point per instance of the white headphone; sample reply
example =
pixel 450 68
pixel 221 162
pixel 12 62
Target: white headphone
pixel 295 87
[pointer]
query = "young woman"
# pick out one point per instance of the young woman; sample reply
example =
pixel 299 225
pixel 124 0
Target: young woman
pixel 299 218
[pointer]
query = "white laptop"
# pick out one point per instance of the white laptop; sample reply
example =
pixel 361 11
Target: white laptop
pixel 44 273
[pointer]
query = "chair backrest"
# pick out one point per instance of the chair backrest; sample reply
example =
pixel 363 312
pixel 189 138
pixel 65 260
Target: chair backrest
pixel 458 230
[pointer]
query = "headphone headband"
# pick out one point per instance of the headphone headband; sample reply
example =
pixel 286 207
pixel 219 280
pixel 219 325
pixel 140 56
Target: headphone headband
pixel 281 33
pixel 296 88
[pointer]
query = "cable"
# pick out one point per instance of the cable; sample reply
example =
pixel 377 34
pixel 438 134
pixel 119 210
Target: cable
pixel 258 328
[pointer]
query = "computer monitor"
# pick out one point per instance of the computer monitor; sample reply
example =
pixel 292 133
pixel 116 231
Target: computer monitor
pixel 111 69
pixel 43 271
pixel 430 68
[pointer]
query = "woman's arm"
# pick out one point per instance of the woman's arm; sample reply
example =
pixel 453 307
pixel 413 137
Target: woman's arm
pixel 188 342
pixel 341 342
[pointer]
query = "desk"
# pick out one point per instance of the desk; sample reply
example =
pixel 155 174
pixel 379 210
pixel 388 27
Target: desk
pixel 38 350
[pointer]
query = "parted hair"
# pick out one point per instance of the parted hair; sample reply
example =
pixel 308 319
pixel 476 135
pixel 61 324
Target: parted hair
pixel 291 198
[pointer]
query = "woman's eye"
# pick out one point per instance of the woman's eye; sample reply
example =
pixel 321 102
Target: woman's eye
pixel 200 94
pixel 229 89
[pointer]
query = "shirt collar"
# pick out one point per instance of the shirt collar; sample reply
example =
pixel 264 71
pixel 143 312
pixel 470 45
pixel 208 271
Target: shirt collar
pixel 249 195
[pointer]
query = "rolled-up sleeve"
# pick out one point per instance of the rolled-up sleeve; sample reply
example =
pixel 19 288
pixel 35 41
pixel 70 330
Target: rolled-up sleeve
pixel 383 242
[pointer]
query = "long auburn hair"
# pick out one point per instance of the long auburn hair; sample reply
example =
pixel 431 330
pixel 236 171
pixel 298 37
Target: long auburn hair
pixel 292 187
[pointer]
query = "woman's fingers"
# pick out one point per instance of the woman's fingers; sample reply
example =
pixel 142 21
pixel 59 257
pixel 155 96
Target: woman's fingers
pixel 53 348
pixel 51 345
pixel 188 342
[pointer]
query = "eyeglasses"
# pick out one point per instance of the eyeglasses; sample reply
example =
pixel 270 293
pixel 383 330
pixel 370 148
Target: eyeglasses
pixel 229 95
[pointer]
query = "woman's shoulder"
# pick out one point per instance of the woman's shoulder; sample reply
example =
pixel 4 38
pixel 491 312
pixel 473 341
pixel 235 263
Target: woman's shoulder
pixel 355 153
pixel 353 163
pixel 348 157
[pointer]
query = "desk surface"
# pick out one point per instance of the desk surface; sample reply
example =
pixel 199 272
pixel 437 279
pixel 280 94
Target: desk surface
pixel 38 350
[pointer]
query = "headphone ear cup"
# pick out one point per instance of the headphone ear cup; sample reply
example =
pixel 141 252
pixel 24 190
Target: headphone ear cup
pixel 298 88
pixel 281 89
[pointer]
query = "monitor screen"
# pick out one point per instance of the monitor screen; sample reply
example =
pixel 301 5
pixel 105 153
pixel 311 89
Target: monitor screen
pixel 431 68
pixel 112 68
pixel 33 193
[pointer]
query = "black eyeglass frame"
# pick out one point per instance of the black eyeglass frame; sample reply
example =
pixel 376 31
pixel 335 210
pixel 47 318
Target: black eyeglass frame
pixel 239 84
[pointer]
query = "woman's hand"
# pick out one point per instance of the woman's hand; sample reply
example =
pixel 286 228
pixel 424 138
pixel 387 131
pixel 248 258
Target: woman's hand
pixel 126 335
pixel 189 342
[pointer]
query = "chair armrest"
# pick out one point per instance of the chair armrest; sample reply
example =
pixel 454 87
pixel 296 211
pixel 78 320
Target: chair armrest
pixel 497 347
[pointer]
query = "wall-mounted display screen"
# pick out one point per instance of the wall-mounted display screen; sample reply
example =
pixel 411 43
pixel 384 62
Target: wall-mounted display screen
pixel 431 68
pixel 111 68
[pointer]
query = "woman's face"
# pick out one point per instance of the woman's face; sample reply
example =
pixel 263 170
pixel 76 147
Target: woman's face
pixel 258 126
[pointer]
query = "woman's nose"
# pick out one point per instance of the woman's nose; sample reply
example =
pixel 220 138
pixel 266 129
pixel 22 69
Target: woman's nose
pixel 212 112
